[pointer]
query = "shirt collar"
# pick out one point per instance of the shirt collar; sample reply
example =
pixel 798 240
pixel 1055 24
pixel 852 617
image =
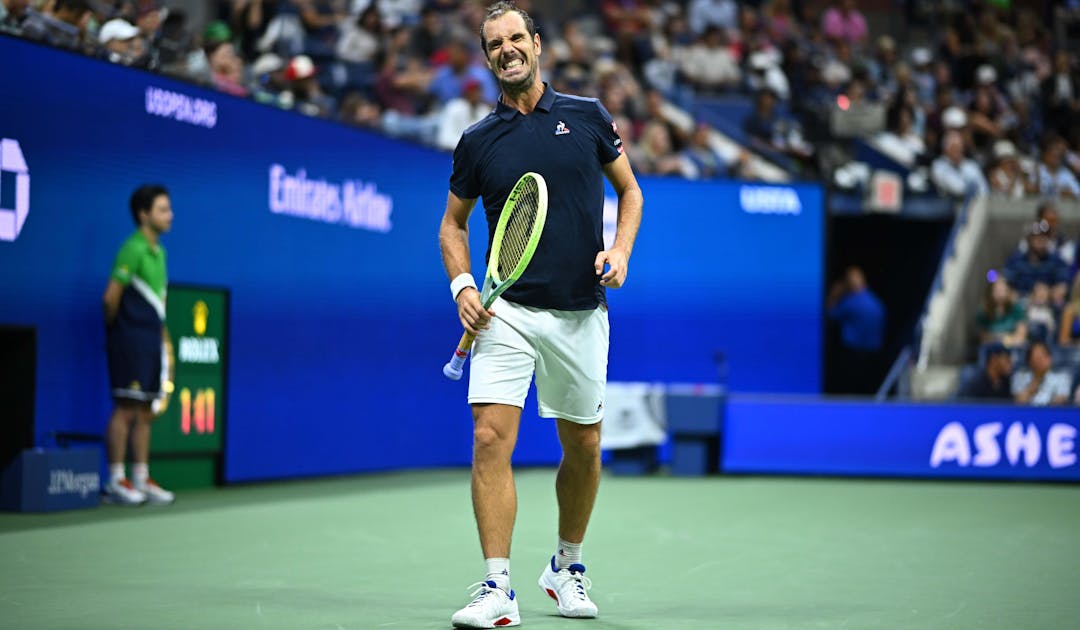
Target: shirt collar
pixel 154 249
pixel 547 100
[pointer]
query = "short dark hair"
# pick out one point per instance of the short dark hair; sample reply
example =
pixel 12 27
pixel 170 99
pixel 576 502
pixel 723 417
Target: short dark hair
pixel 996 348
pixel 1044 208
pixel 1031 348
pixel 498 10
pixel 142 200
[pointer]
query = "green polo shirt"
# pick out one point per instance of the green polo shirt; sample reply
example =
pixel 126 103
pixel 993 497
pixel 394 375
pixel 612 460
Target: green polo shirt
pixel 140 267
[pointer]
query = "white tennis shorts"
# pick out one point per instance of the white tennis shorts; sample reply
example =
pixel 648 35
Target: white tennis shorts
pixel 567 350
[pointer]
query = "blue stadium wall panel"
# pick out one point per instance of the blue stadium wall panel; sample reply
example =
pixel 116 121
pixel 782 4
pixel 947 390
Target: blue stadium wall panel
pixel 326 238
pixel 804 436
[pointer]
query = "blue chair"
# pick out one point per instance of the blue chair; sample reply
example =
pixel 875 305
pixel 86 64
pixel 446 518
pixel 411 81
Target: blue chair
pixel 1067 357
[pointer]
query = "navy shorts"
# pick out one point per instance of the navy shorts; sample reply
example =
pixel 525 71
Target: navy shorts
pixel 134 365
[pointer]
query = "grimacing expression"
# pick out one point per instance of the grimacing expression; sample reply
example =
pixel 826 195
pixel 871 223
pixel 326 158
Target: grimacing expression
pixel 512 54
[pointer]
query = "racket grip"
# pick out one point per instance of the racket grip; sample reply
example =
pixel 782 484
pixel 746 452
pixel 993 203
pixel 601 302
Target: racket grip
pixel 453 369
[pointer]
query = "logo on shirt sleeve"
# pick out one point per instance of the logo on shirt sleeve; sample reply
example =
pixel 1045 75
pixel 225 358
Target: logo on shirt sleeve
pixel 618 141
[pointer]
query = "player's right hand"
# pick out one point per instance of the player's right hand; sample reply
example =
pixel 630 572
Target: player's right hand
pixel 474 317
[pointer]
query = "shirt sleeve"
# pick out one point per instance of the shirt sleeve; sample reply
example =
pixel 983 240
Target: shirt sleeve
pixel 609 144
pixel 841 309
pixel 1058 384
pixel 463 180
pixel 1068 182
pixel 975 177
pixel 127 261
pixel 946 178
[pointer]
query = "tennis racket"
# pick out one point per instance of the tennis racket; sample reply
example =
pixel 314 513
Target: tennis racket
pixel 516 236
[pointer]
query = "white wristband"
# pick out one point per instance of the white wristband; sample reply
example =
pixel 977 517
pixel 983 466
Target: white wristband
pixel 461 282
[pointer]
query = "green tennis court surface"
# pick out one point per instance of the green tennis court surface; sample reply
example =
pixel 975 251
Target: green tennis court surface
pixel 398 551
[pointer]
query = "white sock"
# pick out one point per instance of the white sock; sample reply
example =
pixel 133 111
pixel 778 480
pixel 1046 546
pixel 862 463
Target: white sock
pixel 140 472
pixel 498 571
pixel 567 553
pixel 116 472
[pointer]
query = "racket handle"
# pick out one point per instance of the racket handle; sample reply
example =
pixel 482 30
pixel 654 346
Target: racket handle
pixel 452 370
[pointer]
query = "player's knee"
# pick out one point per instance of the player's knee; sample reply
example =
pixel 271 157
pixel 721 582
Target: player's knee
pixel 488 437
pixel 584 441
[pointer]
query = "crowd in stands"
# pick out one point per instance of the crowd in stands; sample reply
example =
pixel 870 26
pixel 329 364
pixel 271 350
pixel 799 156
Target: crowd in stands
pixel 988 102
pixel 1031 314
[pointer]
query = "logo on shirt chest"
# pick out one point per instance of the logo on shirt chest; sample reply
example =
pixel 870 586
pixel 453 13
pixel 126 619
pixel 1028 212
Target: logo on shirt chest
pixel 561 129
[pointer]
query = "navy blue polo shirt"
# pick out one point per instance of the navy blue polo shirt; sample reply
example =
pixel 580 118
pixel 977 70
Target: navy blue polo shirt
pixel 568 140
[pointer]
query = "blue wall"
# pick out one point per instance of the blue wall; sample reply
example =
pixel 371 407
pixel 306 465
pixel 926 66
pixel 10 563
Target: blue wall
pixel 339 331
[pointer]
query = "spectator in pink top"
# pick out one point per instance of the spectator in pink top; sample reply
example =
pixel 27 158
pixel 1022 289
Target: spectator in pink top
pixel 843 22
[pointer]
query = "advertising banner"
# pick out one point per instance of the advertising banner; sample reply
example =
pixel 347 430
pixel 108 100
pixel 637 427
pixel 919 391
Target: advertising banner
pixel 802 436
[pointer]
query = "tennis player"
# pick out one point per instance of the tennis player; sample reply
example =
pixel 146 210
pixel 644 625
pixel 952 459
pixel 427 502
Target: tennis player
pixel 134 304
pixel 553 321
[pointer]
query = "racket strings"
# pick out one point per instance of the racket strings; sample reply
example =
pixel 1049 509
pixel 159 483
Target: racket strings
pixel 519 228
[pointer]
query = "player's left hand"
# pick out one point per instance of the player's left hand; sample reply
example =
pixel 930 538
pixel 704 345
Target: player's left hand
pixel 616 261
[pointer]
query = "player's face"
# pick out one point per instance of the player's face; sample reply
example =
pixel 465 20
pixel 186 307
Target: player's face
pixel 160 216
pixel 511 53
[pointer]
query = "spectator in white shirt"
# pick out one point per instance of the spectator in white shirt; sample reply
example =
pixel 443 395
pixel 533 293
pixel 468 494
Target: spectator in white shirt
pixel 900 141
pixel 361 37
pixel 1006 176
pixel 954 174
pixel 1039 384
pixel 709 63
pixel 1053 178
pixel 461 113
